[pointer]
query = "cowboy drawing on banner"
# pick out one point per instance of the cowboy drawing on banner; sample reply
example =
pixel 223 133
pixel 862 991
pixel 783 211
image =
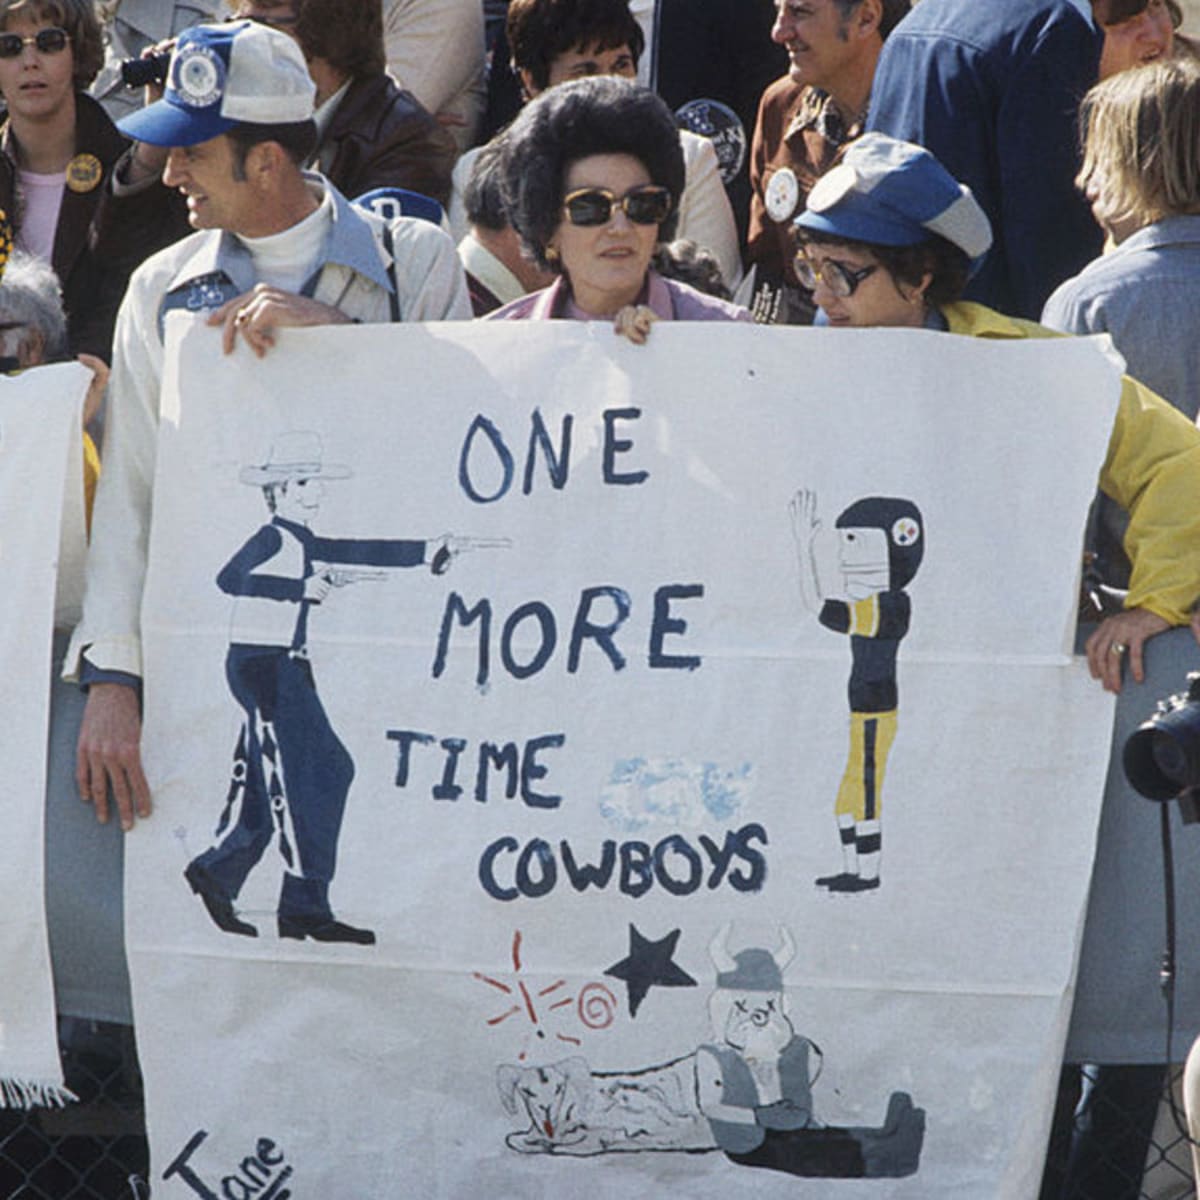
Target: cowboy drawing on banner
pixel 880 543
pixel 747 1091
pixel 291 773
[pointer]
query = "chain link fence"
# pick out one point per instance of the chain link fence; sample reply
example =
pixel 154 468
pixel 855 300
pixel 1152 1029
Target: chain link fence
pixel 1107 1143
pixel 1115 1137
pixel 93 1150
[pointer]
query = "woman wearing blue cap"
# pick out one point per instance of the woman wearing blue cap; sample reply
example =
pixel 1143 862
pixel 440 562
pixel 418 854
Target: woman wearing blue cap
pixel 890 238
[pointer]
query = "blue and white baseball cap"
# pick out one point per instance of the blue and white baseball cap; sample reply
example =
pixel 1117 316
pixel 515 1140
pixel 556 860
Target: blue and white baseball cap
pixel 895 193
pixel 224 75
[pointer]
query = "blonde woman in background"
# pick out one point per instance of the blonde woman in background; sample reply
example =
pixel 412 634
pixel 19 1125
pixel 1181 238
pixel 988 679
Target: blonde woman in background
pixel 1141 173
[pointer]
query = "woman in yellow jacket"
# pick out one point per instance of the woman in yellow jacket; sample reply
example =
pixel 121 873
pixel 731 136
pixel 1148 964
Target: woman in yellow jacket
pixel 889 238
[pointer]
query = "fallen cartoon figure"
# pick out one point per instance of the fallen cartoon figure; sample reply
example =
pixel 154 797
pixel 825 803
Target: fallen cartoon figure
pixel 748 1092
pixel 574 1110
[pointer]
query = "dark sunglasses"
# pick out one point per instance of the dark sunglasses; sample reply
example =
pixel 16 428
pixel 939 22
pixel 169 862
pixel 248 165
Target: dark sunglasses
pixel 47 41
pixel 840 278
pixel 649 204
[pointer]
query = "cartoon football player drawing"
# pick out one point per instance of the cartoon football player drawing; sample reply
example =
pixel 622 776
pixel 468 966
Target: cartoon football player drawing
pixel 291 773
pixel 881 540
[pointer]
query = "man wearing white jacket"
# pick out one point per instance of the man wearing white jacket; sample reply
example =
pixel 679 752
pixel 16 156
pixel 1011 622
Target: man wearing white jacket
pixel 274 246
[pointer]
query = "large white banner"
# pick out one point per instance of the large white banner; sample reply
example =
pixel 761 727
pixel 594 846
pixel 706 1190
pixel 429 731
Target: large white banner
pixel 584 769
pixel 41 549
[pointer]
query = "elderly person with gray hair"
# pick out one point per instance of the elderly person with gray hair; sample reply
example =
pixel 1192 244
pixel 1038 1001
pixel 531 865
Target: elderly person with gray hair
pixel 33 326
pixel 33 331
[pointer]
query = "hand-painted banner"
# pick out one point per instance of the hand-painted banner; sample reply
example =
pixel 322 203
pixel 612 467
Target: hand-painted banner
pixel 591 769
pixel 41 552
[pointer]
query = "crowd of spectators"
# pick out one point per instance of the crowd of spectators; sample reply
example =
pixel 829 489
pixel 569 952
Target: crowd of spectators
pixel 563 145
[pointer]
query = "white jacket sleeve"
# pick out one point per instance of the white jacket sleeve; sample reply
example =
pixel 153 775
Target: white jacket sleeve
pixel 460 226
pixel 110 630
pixel 428 273
pixel 705 214
pixel 435 49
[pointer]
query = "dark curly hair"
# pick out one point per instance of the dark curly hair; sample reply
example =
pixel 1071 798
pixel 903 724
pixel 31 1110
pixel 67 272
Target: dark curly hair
pixel 947 263
pixel 483 197
pixel 538 31
pixel 78 18
pixel 1113 12
pixel 348 36
pixel 600 115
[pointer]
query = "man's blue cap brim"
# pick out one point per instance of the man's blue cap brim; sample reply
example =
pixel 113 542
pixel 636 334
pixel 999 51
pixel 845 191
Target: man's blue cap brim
pixel 165 124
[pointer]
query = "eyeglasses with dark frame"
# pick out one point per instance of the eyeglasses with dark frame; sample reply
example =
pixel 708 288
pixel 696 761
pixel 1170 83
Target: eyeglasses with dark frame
pixel 46 41
pixel 649 204
pixel 839 277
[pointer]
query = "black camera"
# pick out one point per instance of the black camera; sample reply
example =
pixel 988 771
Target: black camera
pixel 1162 756
pixel 141 72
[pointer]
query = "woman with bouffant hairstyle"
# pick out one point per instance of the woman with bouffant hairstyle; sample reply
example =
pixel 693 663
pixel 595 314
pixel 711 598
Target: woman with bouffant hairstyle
pixel 57 150
pixel 592 172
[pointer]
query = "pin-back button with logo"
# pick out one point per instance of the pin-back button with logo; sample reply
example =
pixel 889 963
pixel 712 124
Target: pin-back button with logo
pixel 782 194
pixel 721 125
pixel 84 172
pixel 197 76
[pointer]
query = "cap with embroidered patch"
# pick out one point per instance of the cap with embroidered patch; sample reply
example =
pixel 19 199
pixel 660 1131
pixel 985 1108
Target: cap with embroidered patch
pixel 895 193
pixel 224 75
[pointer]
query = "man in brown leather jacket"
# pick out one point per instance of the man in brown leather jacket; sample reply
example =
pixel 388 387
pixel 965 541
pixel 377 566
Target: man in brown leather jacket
pixel 371 132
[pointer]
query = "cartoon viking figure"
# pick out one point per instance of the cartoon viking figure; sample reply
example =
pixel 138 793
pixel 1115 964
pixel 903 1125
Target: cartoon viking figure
pixel 754 1076
pixel 754 1082
pixel 881 540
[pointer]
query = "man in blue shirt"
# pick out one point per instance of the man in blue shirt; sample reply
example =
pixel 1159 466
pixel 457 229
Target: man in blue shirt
pixel 993 91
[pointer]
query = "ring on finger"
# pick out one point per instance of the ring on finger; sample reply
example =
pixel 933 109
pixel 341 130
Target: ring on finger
pixel 1117 648
pixel 242 317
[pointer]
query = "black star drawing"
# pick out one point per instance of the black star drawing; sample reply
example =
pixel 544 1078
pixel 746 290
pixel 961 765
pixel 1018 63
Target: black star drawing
pixel 648 965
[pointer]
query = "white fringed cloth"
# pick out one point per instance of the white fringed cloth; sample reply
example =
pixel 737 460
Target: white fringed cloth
pixel 41 537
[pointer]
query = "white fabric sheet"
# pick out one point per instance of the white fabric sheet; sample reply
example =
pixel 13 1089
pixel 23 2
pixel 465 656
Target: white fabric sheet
pixel 516 1030
pixel 41 547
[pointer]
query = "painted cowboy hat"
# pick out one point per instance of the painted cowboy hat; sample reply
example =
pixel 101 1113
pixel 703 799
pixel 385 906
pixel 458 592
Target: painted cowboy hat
pixel 294 455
